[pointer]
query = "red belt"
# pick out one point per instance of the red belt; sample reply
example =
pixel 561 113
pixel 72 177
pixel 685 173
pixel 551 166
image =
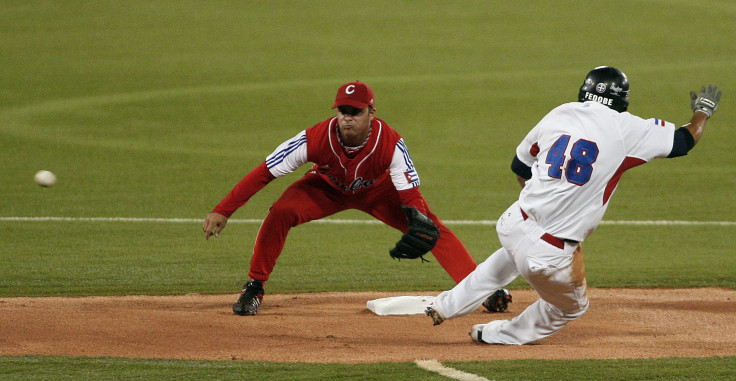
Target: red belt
pixel 546 237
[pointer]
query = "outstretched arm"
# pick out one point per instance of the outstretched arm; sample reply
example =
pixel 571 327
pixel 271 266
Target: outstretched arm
pixel 696 126
pixel 244 190
pixel 247 187
pixel 287 157
pixel 703 106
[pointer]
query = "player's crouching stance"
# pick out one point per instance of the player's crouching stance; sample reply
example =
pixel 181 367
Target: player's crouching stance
pixel 359 163
pixel 568 165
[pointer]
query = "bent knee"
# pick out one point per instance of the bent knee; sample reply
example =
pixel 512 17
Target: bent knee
pixel 286 212
pixel 582 308
pixel 577 309
pixel 570 309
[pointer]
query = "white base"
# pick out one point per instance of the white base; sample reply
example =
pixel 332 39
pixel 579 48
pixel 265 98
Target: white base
pixel 400 305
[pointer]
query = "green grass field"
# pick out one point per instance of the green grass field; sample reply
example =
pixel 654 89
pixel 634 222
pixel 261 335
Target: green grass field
pixel 154 110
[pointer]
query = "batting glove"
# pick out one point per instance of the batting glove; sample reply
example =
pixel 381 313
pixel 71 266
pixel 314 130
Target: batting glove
pixel 705 102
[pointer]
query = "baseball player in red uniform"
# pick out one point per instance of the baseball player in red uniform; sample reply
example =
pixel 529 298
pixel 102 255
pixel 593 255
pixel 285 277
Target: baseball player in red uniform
pixel 569 165
pixel 359 163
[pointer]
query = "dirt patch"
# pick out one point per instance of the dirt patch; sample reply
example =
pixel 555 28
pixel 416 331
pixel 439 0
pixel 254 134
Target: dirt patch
pixel 337 327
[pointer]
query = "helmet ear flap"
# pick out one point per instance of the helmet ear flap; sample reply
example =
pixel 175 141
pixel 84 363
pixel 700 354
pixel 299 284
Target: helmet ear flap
pixel 606 85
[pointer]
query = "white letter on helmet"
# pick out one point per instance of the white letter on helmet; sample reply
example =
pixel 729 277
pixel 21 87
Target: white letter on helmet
pixel 350 89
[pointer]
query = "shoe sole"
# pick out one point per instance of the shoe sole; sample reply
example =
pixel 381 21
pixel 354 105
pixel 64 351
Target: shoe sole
pixel 247 309
pixel 437 319
pixel 243 311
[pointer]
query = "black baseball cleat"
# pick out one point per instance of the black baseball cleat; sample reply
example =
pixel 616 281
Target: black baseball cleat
pixel 250 298
pixel 498 301
pixel 437 318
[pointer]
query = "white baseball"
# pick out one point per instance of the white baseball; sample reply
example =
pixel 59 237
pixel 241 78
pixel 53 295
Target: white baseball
pixel 45 178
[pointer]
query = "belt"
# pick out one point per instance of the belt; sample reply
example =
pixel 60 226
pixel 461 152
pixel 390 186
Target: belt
pixel 549 238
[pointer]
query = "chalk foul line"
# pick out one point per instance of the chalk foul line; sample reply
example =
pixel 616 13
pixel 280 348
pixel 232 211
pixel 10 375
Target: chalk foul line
pixel 435 366
pixel 343 221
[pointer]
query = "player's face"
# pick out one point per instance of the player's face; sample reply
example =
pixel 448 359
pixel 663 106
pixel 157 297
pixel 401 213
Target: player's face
pixel 354 124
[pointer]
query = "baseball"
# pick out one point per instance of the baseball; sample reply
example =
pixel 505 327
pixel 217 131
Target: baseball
pixel 45 178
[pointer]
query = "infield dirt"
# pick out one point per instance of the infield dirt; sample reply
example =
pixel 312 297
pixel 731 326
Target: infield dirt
pixel 337 328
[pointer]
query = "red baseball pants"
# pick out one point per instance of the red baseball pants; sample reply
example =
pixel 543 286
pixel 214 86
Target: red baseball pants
pixel 311 198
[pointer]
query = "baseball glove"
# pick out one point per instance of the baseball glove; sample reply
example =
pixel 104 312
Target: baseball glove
pixel 498 301
pixel 421 237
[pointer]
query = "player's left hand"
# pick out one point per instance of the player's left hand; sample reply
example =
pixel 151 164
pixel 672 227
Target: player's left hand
pixel 707 101
pixel 420 239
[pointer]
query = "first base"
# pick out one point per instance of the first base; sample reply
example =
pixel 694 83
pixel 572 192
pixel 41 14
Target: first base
pixel 400 305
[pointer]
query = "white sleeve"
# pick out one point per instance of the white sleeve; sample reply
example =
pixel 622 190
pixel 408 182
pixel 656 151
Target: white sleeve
pixel 288 156
pixel 527 150
pixel 403 174
pixel 648 139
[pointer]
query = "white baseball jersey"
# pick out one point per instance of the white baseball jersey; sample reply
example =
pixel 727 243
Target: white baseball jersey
pixel 577 154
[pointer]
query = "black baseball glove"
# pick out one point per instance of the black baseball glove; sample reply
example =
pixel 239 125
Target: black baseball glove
pixel 421 237
pixel 498 301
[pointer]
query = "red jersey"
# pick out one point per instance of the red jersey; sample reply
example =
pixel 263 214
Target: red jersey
pixel 384 157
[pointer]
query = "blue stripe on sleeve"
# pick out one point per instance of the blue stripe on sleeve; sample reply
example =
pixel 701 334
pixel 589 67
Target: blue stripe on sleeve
pixel 405 151
pixel 277 158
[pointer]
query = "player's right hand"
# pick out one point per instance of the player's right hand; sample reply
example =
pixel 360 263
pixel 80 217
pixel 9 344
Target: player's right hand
pixel 213 225
pixel 707 101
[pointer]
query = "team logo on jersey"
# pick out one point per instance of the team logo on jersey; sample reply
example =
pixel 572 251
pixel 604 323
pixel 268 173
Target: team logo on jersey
pixel 359 183
pixel 411 176
pixel 356 185
pixel 601 87
pixel 659 122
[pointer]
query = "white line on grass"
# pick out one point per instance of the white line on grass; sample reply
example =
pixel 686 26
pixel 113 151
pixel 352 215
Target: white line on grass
pixel 437 367
pixel 343 221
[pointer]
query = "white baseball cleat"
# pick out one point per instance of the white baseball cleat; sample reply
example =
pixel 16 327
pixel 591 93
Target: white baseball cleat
pixel 476 333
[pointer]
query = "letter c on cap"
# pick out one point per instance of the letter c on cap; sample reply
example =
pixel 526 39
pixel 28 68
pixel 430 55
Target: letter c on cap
pixel 350 89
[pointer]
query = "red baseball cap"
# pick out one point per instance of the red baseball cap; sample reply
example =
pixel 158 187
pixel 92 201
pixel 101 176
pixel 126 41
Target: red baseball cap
pixel 356 94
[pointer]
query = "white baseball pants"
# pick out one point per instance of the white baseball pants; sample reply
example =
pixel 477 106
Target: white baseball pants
pixel 557 275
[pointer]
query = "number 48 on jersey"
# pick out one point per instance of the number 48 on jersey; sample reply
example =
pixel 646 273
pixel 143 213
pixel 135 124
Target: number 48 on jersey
pixel 579 166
